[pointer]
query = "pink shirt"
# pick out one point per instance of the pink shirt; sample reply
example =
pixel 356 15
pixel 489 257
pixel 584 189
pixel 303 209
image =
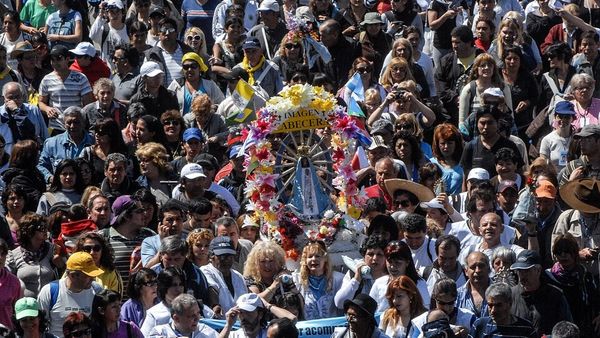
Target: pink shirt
pixel 11 290
pixel 587 116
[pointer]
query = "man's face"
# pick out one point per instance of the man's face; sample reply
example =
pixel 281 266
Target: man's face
pixel 487 126
pixel 80 280
pixel 529 278
pixel 194 186
pixel 506 167
pixel 153 83
pixel 329 36
pixel 231 231
pixel 13 94
pixel 100 212
pixel 192 147
pixel 507 199
pixel 414 239
pixel 249 320
pixel 499 309
pixel 253 55
pixel 375 258
pixel 105 96
pixel 486 5
pixel 356 317
pixel 477 270
pixel 440 218
pixel 482 209
pixel 83 60
pixel 269 18
pixel 588 145
pixel 175 259
pixel 115 173
pixel 589 48
pixel 490 228
pixel 198 221
pixel 544 205
pixel 188 320
pixel 460 48
pixel 447 255
pixel 174 220
pixel 168 33
pixel 74 125
pixel 383 171
pixel 223 263
pixel 58 62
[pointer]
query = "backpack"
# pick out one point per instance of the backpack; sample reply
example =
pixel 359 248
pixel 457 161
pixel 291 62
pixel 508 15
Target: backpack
pixel 543 120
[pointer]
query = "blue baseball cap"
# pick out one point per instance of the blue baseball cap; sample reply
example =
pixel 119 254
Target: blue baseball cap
pixel 251 42
pixel 193 133
pixel 564 108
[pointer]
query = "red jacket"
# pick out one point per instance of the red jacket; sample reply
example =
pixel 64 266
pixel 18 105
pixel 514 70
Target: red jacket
pixel 557 35
pixel 94 71
pixel 376 191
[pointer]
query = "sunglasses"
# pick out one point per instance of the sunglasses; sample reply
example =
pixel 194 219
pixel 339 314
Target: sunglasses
pixel 113 9
pixel 195 38
pixel 81 333
pixel 167 30
pixel 292 46
pixel 119 59
pixel 150 283
pixel 171 122
pixel 404 203
pixel 189 66
pixel 57 57
pixel 363 70
pixel 90 248
pixel 563 116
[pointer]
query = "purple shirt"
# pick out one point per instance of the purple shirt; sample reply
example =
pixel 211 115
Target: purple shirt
pixel 122 331
pixel 133 311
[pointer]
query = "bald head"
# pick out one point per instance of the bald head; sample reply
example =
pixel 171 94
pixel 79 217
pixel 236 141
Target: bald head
pixel 490 228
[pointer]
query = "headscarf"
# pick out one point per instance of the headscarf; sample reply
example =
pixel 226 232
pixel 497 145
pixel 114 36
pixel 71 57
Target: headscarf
pixel 196 58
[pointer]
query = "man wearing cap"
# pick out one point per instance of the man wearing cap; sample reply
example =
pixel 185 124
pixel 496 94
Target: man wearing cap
pixel 185 316
pixel 476 176
pixel 155 97
pixel 261 72
pixel 193 84
pixel 384 169
pixel 126 233
pixel 230 284
pixel 116 182
pixel 169 51
pixel 20 120
pixel 108 30
pixel 271 30
pixel 88 63
pixel 171 218
pixel 73 293
pixel 588 164
pixel 377 150
pixel 360 314
pixel 61 89
pixel 234 182
pixel 210 166
pixel 541 303
pixel 193 144
pixel 252 311
pixel 192 183
pixel 441 213
pixel 105 106
pixel 227 226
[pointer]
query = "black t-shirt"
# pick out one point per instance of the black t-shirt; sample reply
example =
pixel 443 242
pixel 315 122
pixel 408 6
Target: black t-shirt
pixel 475 155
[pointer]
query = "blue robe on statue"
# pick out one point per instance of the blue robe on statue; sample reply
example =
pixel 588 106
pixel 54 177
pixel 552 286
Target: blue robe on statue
pixel 308 196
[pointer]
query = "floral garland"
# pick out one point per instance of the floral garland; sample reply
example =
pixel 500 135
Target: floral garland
pixel 279 222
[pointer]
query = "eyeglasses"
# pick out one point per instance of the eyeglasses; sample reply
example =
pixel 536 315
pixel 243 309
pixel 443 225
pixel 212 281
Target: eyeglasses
pixel 404 203
pixel 152 282
pixel 170 123
pixel 292 46
pixel 113 9
pixel 165 30
pixel 90 248
pixel 81 333
pixel 580 89
pixel 195 38
pixel 189 66
pixel 116 59
pixel 363 70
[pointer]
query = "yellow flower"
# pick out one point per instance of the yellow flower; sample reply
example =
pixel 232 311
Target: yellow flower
pixel 323 230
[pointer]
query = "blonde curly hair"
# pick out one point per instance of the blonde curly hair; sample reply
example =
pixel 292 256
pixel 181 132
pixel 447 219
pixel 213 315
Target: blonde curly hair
pixel 156 153
pixel 317 247
pixel 262 250
pixel 194 237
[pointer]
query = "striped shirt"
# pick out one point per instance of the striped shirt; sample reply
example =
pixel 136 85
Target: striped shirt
pixel 196 15
pixel 173 63
pixel 65 94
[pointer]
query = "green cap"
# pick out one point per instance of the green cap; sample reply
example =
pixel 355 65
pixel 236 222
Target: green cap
pixel 26 307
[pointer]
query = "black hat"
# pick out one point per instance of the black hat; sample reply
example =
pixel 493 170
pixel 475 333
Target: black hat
pixel 363 301
pixel 59 50
pixel 206 159
pixel 526 260
pixel 251 42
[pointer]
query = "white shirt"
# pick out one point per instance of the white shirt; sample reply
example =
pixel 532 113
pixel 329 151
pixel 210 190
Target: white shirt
pixel 214 277
pixel 424 255
pixel 159 314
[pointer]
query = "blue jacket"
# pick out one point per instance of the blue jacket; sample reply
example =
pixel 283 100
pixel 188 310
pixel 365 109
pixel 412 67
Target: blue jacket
pixel 58 148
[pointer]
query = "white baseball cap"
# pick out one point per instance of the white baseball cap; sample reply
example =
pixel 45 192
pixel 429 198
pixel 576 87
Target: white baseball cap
pixel 433 204
pixel 192 171
pixel 249 302
pixel 150 69
pixel 269 5
pixel 116 3
pixel 478 174
pixel 84 48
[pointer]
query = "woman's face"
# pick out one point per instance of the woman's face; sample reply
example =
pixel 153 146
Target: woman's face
pixel 194 40
pixel 172 128
pixel 398 73
pixel 316 263
pixel 148 290
pixel 94 248
pixel 200 249
pixel 563 120
pixel 485 70
pixel 142 134
pixel 249 233
pixel 372 102
pixel 175 289
pixel 9 24
pixel 234 30
pixel 508 35
pixel 401 301
pixel 403 150
pixel 401 51
pixel 30 324
pixel 447 147
pixel 268 268
pixel 512 61
pixel 15 203
pixel 38 238
pixel 396 266
pixel 292 49
pixel 68 178
pixel 500 264
pixel 148 168
pixel 445 302
pixel 112 312
pixel 583 92
pixel 565 259
pixel 86 174
pixel 365 70
pixel 101 137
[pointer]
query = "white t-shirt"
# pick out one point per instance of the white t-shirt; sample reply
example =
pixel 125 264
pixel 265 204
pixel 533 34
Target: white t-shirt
pixel 114 38
pixel 159 314
pixel 215 278
pixel 65 94
pixel 66 302
pixel 239 333
pixel 424 255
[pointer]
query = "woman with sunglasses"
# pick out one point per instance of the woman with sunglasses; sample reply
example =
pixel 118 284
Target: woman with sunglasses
pixel 399 262
pixel 290 58
pixel 195 38
pixel 317 282
pixel 173 127
pixel 155 169
pixel 194 83
pixel 171 283
pixel 364 68
pixel 34 261
pixel 102 253
pixel 142 294
pixel 77 325
pixel 405 303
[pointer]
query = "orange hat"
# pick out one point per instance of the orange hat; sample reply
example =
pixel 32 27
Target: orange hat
pixel 545 189
pixel 83 261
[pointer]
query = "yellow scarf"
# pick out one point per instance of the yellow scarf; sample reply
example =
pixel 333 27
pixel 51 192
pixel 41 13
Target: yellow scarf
pixel 4 72
pixel 250 70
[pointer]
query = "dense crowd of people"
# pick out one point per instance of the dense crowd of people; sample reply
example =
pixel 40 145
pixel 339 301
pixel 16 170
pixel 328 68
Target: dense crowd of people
pixel 123 174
